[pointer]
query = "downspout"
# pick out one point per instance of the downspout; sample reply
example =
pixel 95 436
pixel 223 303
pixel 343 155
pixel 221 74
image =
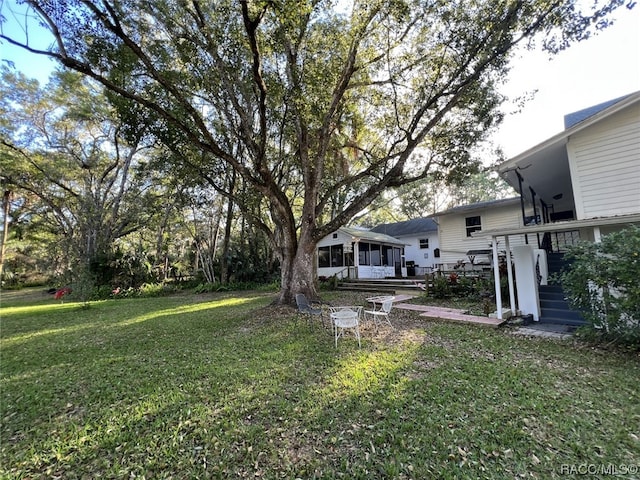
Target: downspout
pixel 597 235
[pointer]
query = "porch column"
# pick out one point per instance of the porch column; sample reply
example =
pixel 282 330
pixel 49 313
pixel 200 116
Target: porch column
pixel 512 294
pixel 356 258
pixel 496 277
pixel 597 236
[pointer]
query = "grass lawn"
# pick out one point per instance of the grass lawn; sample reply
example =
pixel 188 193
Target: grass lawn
pixel 224 386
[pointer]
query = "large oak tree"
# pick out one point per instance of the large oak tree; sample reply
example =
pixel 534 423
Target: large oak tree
pixel 64 145
pixel 326 104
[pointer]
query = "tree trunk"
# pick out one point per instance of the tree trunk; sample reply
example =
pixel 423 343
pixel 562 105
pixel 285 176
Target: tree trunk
pixel 226 240
pixel 5 228
pixel 298 271
pixel 159 261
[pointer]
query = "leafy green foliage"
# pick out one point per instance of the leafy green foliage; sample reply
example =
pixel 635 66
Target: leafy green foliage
pixel 227 287
pixel 320 107
pixel 81 186
pixel 603 282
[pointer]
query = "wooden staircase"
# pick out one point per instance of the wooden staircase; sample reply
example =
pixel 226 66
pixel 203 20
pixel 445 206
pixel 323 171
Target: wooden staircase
pixel 390 286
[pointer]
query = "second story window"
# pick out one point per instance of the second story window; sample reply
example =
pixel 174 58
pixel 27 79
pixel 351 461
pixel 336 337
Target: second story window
pixel 424 243
pixel 472 224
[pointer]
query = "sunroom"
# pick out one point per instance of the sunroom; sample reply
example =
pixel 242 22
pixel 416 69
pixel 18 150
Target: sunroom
pixel 356 253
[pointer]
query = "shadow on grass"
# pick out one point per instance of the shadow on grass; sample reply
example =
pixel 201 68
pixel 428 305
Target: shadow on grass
pixel 27 321
pixel 237 391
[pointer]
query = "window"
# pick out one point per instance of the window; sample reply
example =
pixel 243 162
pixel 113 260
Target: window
pixel 397 257
pixel 336 256
pixel 363 254
pixel 348 259
pixel 387 255
pixel 323 257
pixel 424 243
pixel 376 259
pixel 330 256
pixel 472 224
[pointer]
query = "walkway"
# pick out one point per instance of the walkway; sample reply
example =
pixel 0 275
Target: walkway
pixel 546 330
pixel 452 314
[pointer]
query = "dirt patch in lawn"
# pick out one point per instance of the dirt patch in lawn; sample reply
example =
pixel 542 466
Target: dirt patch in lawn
pixel 407 326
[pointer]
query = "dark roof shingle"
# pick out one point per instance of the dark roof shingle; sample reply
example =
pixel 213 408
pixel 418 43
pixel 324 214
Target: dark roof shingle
pixel 408 227
pixel 481 206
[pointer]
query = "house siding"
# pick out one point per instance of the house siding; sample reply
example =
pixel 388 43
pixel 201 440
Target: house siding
pixel 341 238
pixel 605 166
pixel 413 252
pixel 454 244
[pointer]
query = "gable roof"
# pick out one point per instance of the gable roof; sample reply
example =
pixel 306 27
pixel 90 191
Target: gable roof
pixel 574 118
pixel 545 167
pixel 558 141
pixel 408 227
pixel 359 234
pixel 473 207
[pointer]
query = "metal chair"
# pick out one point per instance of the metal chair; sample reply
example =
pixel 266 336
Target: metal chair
pixel 383 313
pixel 346 318
pixel 306 307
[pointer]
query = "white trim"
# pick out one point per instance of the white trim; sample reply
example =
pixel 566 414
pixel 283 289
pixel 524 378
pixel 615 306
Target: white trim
pixel 512 296
pixel 563 136
pixel 574 177
pixel 559 226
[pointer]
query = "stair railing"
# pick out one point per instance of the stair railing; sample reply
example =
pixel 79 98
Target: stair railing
pixel 340 275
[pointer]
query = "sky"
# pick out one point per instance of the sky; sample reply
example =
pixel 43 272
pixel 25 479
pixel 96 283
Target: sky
pixel 601 68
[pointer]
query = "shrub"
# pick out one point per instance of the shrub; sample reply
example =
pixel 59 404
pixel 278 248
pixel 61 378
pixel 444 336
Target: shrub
pixel 441 287
pixel 464 286
pixel 147 290
pixel 234 286
pixel 603 282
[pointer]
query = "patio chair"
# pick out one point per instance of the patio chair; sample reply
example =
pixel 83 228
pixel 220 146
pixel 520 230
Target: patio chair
pixel 382 314
pixel 309 308
pixel 346 318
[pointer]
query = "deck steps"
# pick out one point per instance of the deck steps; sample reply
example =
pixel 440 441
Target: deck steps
pixel 554 308
pixel 390 286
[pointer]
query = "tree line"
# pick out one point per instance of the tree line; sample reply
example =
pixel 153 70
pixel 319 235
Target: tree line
pixel 302 114
pixel 83 197
pixel 87 196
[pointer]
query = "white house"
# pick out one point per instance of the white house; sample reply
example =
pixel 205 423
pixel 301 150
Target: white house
pixel 420 237
pixel 458 228
pixel 583 183
pixel 358 253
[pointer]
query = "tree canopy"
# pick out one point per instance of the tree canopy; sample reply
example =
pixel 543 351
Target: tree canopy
pixel 63 145
pixel 318 106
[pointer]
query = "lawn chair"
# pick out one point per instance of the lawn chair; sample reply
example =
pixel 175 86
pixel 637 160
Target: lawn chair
pixel 346 318
pixel 382 314
pixel 308 308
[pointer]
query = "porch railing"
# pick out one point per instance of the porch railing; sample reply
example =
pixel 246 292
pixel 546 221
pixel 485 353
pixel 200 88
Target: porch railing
pixel 350 272
pixel 554 242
